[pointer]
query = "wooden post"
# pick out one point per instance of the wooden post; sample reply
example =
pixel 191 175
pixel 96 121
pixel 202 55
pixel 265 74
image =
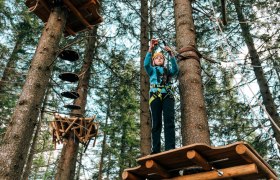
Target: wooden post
pixel 198 159
pixel 248 156
pixel 150 164
pixel 227 173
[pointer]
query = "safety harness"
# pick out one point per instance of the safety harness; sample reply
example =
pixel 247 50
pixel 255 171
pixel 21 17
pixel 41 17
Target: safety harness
pixel 165 82
pixel 158 93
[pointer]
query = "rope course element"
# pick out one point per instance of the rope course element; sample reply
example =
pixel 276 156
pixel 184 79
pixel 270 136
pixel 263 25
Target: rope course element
pixel 243 78
pixel 83 128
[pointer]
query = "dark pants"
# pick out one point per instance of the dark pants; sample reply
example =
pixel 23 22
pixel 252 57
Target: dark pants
pixel 157 106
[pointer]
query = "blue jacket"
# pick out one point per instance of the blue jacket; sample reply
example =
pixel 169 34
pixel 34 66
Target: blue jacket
pixel 151 70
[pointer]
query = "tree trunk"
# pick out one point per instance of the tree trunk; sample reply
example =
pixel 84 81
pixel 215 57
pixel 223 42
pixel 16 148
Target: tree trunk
pixel 34 142
pixel 67 162
pixel 145 120
pixel 268 100
pixel 10 67
pixel 122 150
pixel 100 172
pixel 193 112
pixel 14 149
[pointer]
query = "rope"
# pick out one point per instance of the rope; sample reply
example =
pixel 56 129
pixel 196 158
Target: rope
pixel 159 33
pixel 242 77
pixel 34 7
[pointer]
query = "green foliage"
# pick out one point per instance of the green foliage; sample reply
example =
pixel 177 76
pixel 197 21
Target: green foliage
pixel 114 88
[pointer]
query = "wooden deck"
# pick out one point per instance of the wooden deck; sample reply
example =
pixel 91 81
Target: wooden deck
pixel 199 161
pixel 83 14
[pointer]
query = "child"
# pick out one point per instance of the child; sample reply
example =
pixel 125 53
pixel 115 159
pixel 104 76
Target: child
pixel 161 96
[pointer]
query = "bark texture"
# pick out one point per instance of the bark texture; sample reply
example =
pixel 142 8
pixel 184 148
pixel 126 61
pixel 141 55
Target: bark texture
pixel 14 149
pixel 268 100
pixel 193 112
pixel 67 162
pixel 145 119
pixel 32 151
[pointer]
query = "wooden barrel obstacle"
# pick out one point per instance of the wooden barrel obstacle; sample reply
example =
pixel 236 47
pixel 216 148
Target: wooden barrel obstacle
pixel 202 162
pixel 84 129
pixel 82 14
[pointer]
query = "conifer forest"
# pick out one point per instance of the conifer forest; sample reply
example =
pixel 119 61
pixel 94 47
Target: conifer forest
pixel 74 93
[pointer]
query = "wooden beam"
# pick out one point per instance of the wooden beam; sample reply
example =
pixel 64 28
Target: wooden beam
pixel 198 159
pixel 77 13
pixel 69 30
pixel 249 156
pixel 44 5
pixel 81 127
pixel 70 126
pixel 73 118
pixel 150 164
pixel 56 129
pixel 129 176
pixel 96 135
pixel 90 2
pixel 227 173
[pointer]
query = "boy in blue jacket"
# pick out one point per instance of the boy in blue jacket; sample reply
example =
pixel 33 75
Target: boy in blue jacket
pixel 161 96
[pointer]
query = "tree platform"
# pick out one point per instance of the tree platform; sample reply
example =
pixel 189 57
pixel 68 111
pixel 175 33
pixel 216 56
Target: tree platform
pixel 201 162
pixel 82 14
pixel 83 128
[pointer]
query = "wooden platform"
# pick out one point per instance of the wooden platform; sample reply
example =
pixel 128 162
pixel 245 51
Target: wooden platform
pixel 83 14
pixel 84 129
pixel 199 161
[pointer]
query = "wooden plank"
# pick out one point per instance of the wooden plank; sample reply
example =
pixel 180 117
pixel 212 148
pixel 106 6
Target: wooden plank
pixel 87 136
pixel 158 169
pixel 77 13
pixel 81 127
pixel 198 159
pixel 70 126
pixel 89 3
pixel 247 155
pixel 56 130
pixel 218 157
pixel 176 158
pixel 227 173
pixel 46 7
pixel 69 30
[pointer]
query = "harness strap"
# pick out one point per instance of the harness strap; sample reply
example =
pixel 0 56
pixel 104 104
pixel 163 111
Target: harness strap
pixel 158 93
pixel 155 95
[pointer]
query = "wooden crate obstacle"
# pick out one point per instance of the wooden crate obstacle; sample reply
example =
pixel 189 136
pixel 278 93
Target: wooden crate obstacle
pixel 83 14
pixel 201 162
pixel 84 129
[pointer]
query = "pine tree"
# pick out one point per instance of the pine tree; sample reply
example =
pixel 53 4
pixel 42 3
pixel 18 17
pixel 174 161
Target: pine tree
pixel 14 148
pixel 193 114
pixel 145 119
pixel 268 100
